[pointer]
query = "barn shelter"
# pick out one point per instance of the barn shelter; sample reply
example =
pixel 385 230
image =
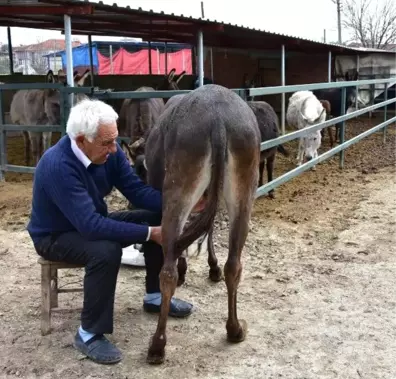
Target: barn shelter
pixel 231 55
pixel 371 64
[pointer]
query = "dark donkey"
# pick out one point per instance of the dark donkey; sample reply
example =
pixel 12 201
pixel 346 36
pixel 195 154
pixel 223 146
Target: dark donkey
pixel 268 123
pixel 333 96
pixel 206 146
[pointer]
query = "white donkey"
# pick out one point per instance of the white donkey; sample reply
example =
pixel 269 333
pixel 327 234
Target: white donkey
pixel 304 109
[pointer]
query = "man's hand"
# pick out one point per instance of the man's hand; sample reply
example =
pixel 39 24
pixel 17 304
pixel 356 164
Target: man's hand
pixel 156 234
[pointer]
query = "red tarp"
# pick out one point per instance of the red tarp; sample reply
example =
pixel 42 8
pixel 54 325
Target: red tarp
pixel 125 63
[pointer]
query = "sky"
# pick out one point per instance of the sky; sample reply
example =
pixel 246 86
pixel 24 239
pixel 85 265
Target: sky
pixel 300 18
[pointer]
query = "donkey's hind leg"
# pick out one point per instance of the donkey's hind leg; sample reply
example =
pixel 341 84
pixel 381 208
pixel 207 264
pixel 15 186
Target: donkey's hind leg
pixel 35 140
pixel 270 171
pixel 180 194
pixel 47 136
pixel 215 274
pixel 181 270
pixel 239 188
pixel 26 139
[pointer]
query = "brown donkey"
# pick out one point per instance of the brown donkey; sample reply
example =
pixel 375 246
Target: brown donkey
pixel 137 116
pixel 206 146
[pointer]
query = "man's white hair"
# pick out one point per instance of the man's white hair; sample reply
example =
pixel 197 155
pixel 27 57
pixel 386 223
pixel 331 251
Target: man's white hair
pixel 86 117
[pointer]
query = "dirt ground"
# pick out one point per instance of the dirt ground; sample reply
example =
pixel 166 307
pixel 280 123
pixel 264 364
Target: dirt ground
pixel 318 287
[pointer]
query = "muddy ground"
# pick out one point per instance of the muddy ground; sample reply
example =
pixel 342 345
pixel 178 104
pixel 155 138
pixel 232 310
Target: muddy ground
pixel 318 287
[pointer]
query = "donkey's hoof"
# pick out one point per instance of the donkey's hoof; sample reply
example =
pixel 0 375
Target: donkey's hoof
pixel 155 356
pixel 215 274
pixel 271 194
pixel 240 332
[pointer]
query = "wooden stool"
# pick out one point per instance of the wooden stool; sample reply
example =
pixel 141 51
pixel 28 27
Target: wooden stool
pixel 50 290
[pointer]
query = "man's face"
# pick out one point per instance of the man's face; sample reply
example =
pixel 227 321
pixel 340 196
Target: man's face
pixel 103 144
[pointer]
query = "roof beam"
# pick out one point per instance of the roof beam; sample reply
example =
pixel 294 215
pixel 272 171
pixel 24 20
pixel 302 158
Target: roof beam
pixel 46 10
pixel 120 26
pixel 128 33
pixel 163 27
pixel 93 25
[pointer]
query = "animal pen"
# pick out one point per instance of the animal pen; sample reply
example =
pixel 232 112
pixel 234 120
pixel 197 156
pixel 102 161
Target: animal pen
pixel 111 25
pixel 5 167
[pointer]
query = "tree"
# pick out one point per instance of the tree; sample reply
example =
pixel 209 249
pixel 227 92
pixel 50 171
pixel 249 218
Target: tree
pixel 4 48
pixel 373 24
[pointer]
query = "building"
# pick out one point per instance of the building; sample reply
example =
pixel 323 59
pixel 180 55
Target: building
pixel 30 60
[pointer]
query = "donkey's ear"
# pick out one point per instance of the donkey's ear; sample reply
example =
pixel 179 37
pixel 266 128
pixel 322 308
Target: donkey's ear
pixel 50 77
pixel 81 81
pixel 180 77
pixel 171 74
pixel 61 77
pixel 347 76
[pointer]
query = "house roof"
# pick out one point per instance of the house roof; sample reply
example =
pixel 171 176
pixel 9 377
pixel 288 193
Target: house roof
pixel 49 44
pixel 358 46
pixel 113 20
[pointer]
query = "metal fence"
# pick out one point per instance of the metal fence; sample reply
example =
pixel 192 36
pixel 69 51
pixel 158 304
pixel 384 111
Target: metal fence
pixel 67 92
pixel 303 132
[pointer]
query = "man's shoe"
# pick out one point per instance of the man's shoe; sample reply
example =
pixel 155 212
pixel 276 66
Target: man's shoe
pixel 178 308
pixel 98 348
pixel 133 257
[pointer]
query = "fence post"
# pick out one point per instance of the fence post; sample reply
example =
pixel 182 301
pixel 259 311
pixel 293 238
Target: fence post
pixel 67 101
pixel 385 111
pixel 342 128
pixel 63 98
pixel 3 141
pixel 243 94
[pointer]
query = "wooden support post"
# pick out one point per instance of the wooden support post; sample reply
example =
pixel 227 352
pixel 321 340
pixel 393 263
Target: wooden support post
pixel 45 299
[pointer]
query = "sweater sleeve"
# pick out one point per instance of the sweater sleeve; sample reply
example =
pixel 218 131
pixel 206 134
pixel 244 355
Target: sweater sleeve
pixel 133 188
pixel 69 194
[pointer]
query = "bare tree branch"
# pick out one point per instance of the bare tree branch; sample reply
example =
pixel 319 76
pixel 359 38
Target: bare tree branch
pixel 372 22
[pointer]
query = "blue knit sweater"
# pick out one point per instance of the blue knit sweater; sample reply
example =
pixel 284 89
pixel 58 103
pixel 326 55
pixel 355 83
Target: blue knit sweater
pixel 69 197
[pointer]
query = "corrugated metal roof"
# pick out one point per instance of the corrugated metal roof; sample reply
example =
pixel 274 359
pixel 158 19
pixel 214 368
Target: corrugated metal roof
pixel 208 20
pixel 18 2
pixel 115 20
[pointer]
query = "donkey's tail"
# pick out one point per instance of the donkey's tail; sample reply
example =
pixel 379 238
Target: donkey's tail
pixel 202 223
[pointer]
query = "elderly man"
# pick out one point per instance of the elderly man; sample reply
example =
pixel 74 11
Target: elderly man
pixel 70 222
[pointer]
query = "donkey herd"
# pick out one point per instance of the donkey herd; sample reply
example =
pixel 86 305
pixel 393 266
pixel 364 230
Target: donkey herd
pixel 201 146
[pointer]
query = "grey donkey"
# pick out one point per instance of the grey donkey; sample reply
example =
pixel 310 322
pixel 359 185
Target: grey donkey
pixel 40 107
pixel 268 124
pixel 207 147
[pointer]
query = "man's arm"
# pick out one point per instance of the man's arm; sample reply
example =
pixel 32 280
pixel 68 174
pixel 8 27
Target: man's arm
pixel 73 200
pixel 133 188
